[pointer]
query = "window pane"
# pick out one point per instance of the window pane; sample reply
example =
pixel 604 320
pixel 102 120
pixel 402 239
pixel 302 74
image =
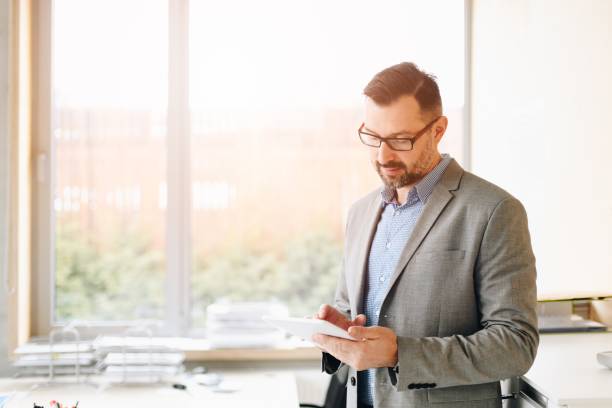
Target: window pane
pixel 109 114
pixel 276 161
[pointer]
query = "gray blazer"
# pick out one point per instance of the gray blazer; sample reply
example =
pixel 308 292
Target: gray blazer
pixel 462 299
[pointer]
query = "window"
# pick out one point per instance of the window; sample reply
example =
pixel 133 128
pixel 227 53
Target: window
pixel 109 137
pixel 204 150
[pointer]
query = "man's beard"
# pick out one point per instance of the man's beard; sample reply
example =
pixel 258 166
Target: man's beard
pixel 401 180
pixel 422 166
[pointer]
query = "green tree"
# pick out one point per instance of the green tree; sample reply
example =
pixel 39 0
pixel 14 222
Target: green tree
pixel 122 282
pixel 126 280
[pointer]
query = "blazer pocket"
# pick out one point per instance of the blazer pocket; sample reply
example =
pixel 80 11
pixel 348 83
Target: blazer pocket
pixel 444 256
pixel 464 393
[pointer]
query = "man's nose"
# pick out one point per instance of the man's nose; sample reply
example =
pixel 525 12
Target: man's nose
pixel 385 153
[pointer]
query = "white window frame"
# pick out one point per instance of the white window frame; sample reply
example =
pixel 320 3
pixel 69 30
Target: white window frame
pixel 177 319
pixel 178 177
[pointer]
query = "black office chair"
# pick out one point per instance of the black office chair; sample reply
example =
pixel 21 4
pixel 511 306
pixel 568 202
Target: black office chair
pixel 335 396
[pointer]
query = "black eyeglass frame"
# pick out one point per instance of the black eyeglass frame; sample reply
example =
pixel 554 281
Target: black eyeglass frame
pixel 389 140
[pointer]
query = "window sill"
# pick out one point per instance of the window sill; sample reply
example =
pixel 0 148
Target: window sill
pixel 200 350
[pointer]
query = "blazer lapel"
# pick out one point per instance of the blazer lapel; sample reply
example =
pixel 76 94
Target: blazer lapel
pixel 368 230
pixel 436 203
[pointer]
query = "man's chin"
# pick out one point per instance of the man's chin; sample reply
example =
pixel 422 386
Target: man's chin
pixel 401 180
pixel 392 181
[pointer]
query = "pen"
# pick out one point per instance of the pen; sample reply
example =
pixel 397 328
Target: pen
pixel 182 387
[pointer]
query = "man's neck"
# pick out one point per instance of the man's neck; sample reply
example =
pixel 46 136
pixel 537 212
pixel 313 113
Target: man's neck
pixel 401 194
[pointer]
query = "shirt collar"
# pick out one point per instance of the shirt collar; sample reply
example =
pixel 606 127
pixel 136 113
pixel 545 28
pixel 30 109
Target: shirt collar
pixel 423 189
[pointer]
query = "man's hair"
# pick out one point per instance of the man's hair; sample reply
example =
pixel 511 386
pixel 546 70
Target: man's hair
pixel 405 79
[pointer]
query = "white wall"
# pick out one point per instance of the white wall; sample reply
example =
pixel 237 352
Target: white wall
pixel 542 129
pixel 4 14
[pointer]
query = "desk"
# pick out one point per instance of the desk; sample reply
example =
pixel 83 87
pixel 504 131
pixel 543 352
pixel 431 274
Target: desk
pixel 566 372
pixel 259 389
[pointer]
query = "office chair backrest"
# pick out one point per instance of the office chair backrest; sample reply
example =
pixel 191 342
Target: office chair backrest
pixel 335 396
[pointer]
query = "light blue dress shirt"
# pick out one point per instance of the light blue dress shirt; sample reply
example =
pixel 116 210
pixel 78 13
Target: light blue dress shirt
pixel 392 233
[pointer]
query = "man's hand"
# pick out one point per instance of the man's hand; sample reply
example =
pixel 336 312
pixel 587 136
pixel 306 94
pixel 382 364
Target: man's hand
pixel 329 313
pixel 376 346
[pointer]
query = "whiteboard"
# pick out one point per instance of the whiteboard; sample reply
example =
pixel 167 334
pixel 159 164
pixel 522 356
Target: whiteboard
pixel 541 88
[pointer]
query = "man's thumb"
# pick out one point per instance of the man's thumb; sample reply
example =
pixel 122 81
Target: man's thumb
pixel 358 332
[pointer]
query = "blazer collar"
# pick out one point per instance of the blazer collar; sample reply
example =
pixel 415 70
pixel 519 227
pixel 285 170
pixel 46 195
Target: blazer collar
pixel 452 176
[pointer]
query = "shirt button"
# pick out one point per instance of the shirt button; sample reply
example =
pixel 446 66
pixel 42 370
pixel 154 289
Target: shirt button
pixel 378 313
pixel 382 279
pixel 388 245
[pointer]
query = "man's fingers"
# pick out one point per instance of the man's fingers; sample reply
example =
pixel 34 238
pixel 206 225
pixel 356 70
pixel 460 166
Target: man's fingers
pixel 360 332
pixel 360 320
pixel 329 313
pixel 318 341
pixel 323 342
pixel 357 332
pixel 326 312
pixel 335 346
pixel 322 312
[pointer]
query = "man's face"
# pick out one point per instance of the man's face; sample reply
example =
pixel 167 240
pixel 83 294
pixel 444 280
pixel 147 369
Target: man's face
pixel 402 118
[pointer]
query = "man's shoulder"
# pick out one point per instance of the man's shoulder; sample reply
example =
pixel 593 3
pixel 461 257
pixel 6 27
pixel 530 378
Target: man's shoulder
pixel 477 190
pixel 470 189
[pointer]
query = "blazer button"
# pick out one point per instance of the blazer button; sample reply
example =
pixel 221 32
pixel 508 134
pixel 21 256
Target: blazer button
pixel 353 381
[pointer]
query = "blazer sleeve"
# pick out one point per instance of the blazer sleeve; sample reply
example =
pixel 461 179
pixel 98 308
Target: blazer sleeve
pixel 506 344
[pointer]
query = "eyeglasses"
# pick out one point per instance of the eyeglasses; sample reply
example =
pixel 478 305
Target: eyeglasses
pixel 395 143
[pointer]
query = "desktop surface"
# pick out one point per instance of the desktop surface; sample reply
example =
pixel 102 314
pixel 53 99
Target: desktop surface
pixel 248 389
pixel 566 370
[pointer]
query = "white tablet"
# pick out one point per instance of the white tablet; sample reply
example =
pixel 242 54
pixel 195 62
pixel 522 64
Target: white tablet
pixel 305 328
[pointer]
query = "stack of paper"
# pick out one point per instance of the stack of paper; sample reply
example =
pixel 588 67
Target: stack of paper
pixel 240 325
pixel 137 359
pixel 62 358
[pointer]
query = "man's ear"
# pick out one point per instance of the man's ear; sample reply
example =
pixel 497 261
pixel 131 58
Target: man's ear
pixel 440 128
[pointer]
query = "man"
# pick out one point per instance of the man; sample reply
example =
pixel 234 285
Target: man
pixel 438 282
